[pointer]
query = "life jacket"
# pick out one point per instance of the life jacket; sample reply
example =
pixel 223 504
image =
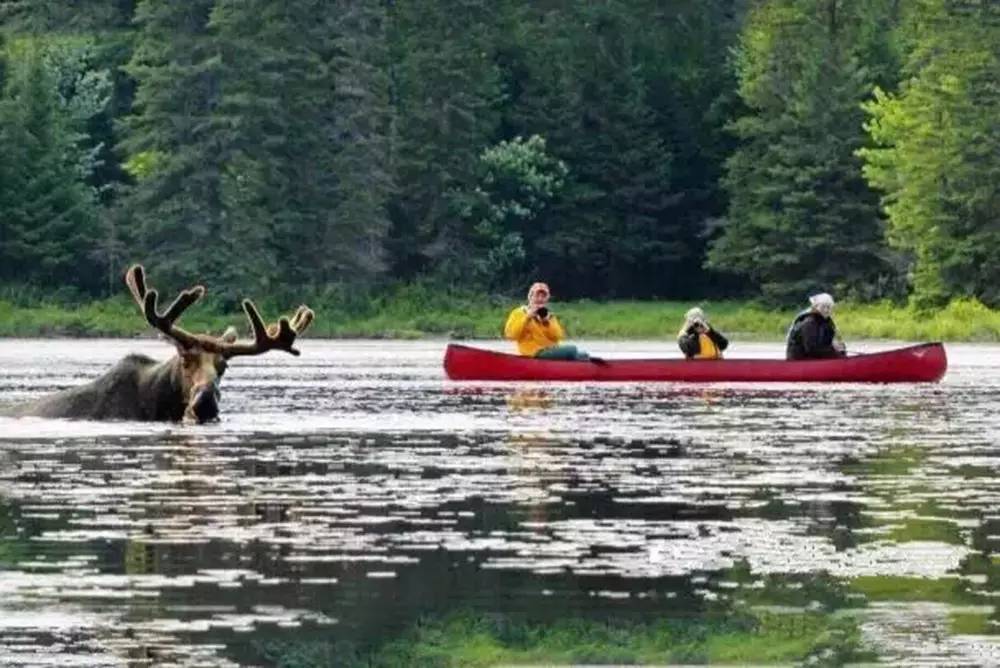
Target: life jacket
pixel 707 350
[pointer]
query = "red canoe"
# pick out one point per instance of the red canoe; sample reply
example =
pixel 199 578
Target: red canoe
pixel 924 363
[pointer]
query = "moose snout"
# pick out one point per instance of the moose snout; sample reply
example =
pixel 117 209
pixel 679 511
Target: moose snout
pixel 205 402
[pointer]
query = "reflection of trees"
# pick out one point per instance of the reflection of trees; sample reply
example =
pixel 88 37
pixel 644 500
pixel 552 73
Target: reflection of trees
pixel 15 545
pixel 918 496
pixel 499 615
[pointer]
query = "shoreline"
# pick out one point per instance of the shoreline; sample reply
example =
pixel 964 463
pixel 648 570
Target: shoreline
pixel 470 318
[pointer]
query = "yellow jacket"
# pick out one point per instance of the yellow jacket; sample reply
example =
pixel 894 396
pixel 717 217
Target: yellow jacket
pixel 708 349
pixel 531 334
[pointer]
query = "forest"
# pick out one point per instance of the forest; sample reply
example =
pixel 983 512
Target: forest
pixel 618 149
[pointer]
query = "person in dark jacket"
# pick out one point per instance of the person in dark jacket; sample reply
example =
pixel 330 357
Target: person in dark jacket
pixel 813 334
pixel 698 340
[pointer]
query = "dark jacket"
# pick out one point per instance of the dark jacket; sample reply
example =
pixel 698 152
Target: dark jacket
pixel 811 336
pixel 691 346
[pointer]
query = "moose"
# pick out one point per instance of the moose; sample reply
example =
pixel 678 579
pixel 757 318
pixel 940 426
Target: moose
pixel 184 388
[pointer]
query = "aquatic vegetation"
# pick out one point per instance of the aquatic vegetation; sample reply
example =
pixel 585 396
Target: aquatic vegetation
pixel 900 588
pixel 977 623
pixel 927 529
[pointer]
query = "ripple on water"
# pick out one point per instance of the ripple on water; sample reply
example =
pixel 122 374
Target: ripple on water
pixel 352 489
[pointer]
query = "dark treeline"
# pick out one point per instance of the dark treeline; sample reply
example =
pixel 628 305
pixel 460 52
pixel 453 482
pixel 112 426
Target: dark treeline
pixel 616 148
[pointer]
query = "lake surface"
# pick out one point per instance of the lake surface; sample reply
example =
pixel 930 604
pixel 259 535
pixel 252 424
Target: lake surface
pixel 351 491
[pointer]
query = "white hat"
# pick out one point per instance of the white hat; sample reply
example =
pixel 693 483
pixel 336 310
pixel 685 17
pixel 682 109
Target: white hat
pixel 822 299
pixel 694 314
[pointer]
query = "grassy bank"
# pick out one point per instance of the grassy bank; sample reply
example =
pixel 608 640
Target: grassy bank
pixel 414 313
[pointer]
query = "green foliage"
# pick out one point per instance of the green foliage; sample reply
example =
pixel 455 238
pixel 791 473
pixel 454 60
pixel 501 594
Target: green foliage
pixel 801 217
pixel 175 211
pixel 517 180
pixel 938 151
pixel 426 309
pixel 303 116
pixel 275 147
pixel 62 16
pixel 580 85
pixel 49 216
pixel 447 88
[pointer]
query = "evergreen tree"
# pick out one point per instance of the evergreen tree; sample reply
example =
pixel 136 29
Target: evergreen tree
pixel 446 90
pixel 684 58
pixel 938 150
pixel 306 122
pixel 89 43
pixel 612 229
pixel 801 217
pixel 176 151
pixel 49 221
pixel 60 16
pixel 363 125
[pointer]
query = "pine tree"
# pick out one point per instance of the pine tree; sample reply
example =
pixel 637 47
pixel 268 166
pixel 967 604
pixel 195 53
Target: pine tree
pixel 446 88
pixel 49 221
pixel 362 127
pixel 175 148
pixel 801 218
pixel 38 16
pixel 684 58
pixel 582 91
pixel 937 157
pixel 305 118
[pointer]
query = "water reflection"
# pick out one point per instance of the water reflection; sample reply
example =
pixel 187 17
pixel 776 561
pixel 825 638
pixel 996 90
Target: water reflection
pixel 352 491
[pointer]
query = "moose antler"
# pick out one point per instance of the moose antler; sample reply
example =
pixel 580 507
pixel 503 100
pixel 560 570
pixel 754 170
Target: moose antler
pixel 278 336
pixel 147 299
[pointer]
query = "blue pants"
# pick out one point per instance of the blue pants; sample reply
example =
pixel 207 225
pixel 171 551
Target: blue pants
pixel 562 352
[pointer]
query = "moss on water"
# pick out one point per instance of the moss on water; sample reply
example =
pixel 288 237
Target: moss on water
pixel 903 588
pixel 973 623
pixel 927 529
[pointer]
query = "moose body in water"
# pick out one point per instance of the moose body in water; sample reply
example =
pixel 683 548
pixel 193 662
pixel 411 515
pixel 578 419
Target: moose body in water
pixel 182 388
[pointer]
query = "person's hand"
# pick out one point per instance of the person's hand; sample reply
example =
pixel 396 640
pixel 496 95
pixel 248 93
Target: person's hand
pixel 839 346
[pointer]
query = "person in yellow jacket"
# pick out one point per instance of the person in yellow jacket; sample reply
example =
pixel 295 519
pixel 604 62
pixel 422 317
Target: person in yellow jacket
pixel 698 340
pixel 537 331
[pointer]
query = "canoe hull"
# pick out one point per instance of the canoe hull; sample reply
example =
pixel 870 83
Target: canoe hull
pixel 924 363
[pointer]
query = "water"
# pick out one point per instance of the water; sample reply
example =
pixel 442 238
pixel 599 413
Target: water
pixel 354 489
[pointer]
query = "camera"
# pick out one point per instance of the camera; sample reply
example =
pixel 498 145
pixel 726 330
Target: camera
pixel 542 312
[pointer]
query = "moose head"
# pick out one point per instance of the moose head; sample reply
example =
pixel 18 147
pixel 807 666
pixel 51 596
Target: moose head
pixel 182 388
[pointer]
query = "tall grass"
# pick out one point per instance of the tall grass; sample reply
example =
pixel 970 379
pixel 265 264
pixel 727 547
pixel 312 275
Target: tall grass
pixel 416 311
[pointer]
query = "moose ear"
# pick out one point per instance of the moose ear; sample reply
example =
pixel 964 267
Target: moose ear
pixel 229 336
